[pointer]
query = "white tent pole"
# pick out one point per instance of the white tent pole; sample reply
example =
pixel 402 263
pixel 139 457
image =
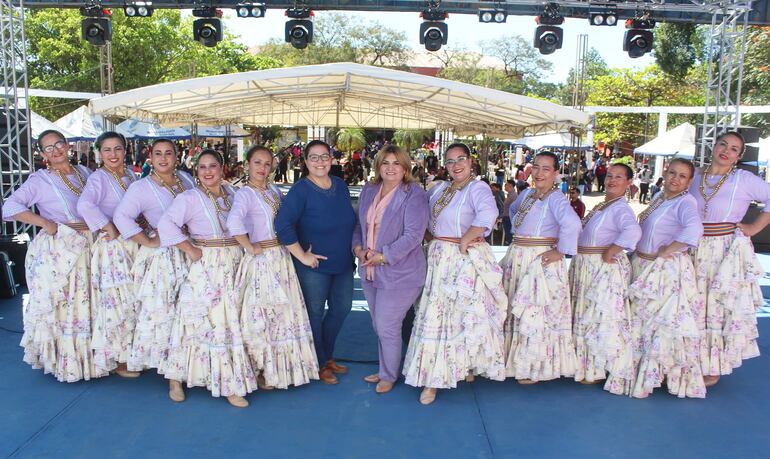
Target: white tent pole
pixel 662 126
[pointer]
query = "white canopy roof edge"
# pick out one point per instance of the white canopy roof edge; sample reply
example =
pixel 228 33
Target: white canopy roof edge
pixel 679 141
pixel 341 94
pixel 554 140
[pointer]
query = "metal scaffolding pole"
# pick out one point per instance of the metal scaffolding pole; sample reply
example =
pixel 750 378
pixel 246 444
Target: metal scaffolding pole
pixel 15 146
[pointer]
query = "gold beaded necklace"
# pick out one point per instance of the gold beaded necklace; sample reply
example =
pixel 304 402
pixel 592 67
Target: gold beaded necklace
pixel 274 204
pixel 708 196
pixel 219 210
pixel 657 203
pixel 170 188
pixel 527 205
pixel 444 200
pixel 69 184
pixel 599 207
pixel 118 178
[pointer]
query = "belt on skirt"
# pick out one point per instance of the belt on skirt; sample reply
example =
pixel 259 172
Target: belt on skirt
pixel 78 226
pixel 592 250
pixel 453 240
pixel 269 244
pixel 216 243
pixel 718 229
pixel 646 256
pixel 535 241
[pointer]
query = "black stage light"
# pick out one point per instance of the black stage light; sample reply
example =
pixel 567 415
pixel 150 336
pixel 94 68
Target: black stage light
pixel 434 32
pixel 605 18
pixel 208 31
pixel 144 10
pixel 637 42
pixel 299 30
pixel 548 38
pixel 96 28
pixel 248 10
pixel 497 16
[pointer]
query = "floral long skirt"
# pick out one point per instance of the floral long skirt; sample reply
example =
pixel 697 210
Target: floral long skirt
pixel 274 321
pixel 602 321
pixel 458 326
pixel 538 329
pixel 666 309
pixel 113 301
pixel 727 272
pixel 207 347
pixel 57 315
pixel 158 273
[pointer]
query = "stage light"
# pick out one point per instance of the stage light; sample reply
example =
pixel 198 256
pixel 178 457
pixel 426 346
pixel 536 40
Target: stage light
pixel 299 30
pixel 248 10
pixel 433 30
pixel 497 16
pixel 138 9
pixel 638 38
pixel 605 18
pixel 549 37
pixel 96 27
pixel 208 29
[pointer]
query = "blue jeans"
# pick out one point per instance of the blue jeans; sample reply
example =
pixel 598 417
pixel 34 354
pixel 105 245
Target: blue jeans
pixel 320 289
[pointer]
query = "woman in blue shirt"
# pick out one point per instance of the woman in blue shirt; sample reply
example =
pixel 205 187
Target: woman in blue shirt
pixel 315 223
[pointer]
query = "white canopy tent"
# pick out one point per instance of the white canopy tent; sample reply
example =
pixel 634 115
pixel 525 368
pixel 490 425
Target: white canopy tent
pixel 222 131
pixel 557 140
pixel 679 141
pixel 344 95
pixel 146 130
pixel 39 124
pixel 84 125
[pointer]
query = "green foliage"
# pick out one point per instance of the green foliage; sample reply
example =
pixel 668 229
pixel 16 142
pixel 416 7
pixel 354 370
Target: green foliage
pixel 756 77
pixel 595 67
pixel 350 139
pixel 678 47
pixel 410 139
pixel 145 51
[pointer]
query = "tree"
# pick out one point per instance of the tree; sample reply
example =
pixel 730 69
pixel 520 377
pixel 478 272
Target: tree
pixel 410 139
pixel 351 139
pixel 756 76
pixel 518 56
pixel 145 51
pixel 678 47
pixel 595 67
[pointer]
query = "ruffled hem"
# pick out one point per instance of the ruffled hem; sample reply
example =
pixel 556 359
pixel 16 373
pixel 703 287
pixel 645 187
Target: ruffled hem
pixel 223 370
pixel 720 355
pixel 285 364
pixel 538 333
pixel 67 357
pixel 677 361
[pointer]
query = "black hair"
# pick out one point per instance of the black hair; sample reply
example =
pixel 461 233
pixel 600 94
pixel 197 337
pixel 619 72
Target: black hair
pixel 735 134
pixel 687 163
pixel 313 143
pixel 459 145
pixel 511 182
pixel 256 148
pixel 551 155
pixel 629 171
pixel 48 132
pixel 210 152
pixel 168 141
pixel 109 135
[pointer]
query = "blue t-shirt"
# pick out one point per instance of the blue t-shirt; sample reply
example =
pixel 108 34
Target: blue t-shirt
pixel 322 218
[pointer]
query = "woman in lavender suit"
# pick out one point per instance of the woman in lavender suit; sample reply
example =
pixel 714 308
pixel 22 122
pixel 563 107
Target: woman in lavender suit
pixel 113 299
pixel 57 317
pixel 158 272
pixel 458 327
pixel 392 219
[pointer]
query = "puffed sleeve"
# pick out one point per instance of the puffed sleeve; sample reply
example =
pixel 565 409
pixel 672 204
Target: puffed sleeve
pixel 236 218
pixel 23 198
pixel 172 221
pixel 415 224
pixel 484 205
pixel 517 203
pixel 758 189
pixel 88 203
pixel 289 214
pixel 128 210
pixel 687 214
pixel 630 231
pixel 569 224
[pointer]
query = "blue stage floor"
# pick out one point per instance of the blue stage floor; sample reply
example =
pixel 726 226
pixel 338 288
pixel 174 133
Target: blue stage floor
pixel 115 417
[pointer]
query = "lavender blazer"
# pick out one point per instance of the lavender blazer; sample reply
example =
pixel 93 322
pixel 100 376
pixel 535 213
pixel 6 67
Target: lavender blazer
pixel 399 238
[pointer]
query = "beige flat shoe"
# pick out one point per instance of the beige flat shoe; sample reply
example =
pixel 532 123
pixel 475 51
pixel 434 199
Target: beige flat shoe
pixel 709 381
pixel 590 383
pixel 238 401
pixel 428 395
pixel 526 382
pixel 127 374
pixel 373 378
pixel 384 387
pixel 470 378
pixel 176 391
pixel 261 384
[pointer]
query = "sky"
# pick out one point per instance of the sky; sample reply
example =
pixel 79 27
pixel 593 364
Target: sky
pixel 464 31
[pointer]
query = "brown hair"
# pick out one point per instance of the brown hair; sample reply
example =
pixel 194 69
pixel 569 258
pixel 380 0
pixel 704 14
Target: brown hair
pixel 401 156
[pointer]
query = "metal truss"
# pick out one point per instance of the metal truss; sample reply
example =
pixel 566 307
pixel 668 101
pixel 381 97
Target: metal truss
pixel 727 45
pixel 15 152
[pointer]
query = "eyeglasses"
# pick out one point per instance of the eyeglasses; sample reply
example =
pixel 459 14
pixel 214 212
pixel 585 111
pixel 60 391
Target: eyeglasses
pixel 58 145
pixel 318 158
pixel 459 160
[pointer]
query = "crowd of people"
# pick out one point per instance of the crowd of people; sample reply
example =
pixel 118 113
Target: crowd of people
pixel 239 289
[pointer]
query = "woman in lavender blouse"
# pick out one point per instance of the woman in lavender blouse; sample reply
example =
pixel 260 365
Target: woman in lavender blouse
pixel 665 301
pixel 392 219
pixel 158 272
pixel 539 344
pixel 276 329
pixel 726 267
pixel 206 342
pixel 113 299
pixel 458 327
pixel 57 316
pixel 599 276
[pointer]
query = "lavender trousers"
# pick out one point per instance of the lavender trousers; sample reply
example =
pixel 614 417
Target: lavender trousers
pixel 388 308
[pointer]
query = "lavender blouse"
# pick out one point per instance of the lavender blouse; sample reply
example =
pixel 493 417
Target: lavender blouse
pixel 675 220
pixel 615 224
pixel 194 209
pixel 101 196
pixel 252 215
pixel 145 197
pixel 733 199
pixel 550 217
pixel 54 199
pixel 473 205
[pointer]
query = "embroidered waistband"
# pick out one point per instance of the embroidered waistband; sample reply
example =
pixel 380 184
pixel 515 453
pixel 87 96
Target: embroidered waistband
pixel 269 244
pixel 219 242
pixel 646 256
pixel 78 226
pixel 591 250
pixel 718 229
pixel 535 241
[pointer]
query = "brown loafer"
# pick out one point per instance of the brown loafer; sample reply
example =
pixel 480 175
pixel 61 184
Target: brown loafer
pixel 384 387
pixel 526 382
pixel 327 376
pixel 373 378
pixel 336 367
pixel 710 380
